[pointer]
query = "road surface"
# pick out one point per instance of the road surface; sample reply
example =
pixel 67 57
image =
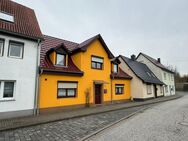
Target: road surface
pixel 167 121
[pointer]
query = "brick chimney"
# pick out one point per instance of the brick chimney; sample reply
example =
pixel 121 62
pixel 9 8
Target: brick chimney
pixel 159 60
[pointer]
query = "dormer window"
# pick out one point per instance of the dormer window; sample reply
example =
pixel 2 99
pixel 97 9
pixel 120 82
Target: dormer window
pixel 6 17
pixel 115 68
pixel 61 59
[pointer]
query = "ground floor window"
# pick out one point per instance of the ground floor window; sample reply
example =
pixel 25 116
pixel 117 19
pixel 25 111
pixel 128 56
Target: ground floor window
pixel 149 89
pixel 119 89
pixel 7 89
pixel 161 89
pixel 67 89
pixel 166 89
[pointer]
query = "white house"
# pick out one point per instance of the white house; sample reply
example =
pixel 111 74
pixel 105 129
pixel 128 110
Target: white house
pixel 144 84
pixel 162 72
pixel 20 38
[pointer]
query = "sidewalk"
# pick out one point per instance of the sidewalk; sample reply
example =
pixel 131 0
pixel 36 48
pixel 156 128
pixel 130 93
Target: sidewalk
pixel 45 118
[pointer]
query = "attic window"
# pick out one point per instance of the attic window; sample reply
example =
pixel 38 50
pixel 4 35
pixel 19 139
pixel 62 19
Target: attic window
pixel 6 17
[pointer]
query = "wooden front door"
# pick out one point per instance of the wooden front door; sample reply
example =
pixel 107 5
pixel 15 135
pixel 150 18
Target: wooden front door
pixel 97 93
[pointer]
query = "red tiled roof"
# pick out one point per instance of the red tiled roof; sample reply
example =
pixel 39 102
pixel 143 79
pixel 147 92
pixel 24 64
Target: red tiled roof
pixel 120 75
pixel 83 46
pixel 52 42
pixel 25 22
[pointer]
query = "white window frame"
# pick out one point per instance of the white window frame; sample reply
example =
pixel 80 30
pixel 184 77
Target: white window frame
pixel 67 86
pixel 22 49
pixel 149 88
pixel 6 17
pixel 165 75
pixel 57 54
pixel 166 89
pixel 2 49
pixel 115 68
pixel 2 83
pixel 161 89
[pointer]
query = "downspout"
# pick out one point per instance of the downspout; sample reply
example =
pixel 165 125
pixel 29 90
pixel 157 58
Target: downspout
pixel 112 90
pixel 37 79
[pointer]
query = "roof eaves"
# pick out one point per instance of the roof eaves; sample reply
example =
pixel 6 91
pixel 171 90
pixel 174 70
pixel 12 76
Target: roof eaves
pixel 21 35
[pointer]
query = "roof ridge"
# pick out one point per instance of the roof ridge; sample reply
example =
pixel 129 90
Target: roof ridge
pixel 21 5
pixel 60 38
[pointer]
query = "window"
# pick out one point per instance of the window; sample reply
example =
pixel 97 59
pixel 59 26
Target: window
pixel 1 47
pixel 67 89
pixel 97 62
pixel 61 59
pixel 6 17
pixel 149 89
pixel 172 77
pixel 170 88
pixel 119 89
pixel 164 75
pixel 161 89
pixel 7 89
pixel 16 49
pixel 166 89
pixel 115 68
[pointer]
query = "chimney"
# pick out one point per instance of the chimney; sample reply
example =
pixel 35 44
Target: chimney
pixel 133 57
pixel 159 60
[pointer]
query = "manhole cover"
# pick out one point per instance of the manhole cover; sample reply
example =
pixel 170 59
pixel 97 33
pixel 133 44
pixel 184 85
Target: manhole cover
pixel 184 123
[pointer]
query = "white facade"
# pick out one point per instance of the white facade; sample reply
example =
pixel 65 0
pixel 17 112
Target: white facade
pixel 164 76
pixel 139 89
pixel 23 73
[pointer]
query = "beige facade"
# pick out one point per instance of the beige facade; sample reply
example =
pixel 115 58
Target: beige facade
pixel 139 89
pixel 164 76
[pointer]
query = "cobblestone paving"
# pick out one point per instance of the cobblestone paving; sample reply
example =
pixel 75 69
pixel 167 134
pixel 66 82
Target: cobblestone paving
pixel 66 130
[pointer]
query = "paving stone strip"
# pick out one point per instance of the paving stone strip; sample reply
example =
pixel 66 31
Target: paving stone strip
pixel 66 130
pixel 46 118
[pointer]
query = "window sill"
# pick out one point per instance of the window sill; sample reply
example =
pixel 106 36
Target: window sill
pixel 66 97
pixel 8 99
pixel 14 57
pixel 120 94
pixel 61 66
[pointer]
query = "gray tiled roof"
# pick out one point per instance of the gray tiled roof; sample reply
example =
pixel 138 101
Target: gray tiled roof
pixel 155 62
pixel 142 71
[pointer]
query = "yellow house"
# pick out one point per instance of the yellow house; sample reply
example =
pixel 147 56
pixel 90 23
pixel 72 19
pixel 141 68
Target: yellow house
pixel 73 74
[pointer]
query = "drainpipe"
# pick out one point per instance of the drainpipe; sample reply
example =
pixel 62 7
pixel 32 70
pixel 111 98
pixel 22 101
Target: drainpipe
pixel 112 90
pixel 37 79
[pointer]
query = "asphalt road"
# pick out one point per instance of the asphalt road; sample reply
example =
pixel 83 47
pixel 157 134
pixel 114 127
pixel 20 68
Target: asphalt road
pixel 167 121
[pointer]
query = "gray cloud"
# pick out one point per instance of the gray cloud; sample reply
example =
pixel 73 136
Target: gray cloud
pixel 158 28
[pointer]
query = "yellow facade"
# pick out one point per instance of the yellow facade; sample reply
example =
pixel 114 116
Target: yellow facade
pixel 126 95
pixel 48 82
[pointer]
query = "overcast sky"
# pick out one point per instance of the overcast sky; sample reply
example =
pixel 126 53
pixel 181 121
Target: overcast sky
pixel 158 28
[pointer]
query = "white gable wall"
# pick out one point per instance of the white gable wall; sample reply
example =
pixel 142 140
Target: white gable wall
pixel 138 88
pixel 160 74
pixel 23 72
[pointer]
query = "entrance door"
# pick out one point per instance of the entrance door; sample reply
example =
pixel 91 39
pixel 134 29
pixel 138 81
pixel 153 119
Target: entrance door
pixel 155 91
pixel 97 93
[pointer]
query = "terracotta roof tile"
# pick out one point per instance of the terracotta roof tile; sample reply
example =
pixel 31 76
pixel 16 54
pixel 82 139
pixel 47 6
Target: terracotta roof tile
pixel 120 75
pixel 25 22
pixel 52 42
